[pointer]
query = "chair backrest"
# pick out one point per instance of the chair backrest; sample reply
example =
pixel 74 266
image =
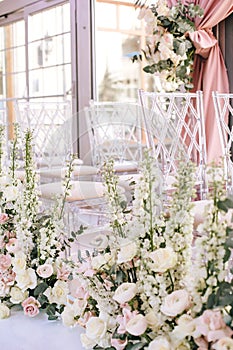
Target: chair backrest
pixel 51 125
pixel 174 124
pixel 223 104
pixel 115 132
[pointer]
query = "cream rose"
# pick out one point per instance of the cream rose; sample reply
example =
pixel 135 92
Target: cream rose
pixel 19 261
pixel 152 320
pixel 225 343
pixel 87 343
pixel 11 193
pixel 163 259
pixel 136 325
pixel 160 343
pixel 127 252
pixel 4 311
pixel 176 303
pixel 100 260
pixel 26 279
pixel 125 292
pixel 17 295
pixel 58 294
pixel 96 328
pixel 45 270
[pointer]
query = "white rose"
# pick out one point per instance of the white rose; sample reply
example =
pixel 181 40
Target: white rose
pixel 175 303
pixel 45 270
pixel 125 292
pixel 225 343
pixel 11 193
pixel 17 295
pixel 19 261
pixel 136 325
pixel 26 279
pixel 58 294
pixel 68 317
pixel 160 343
pixel 163 259
pixel 96 328
pixel 4 311
pixel 127 252
pixel 152 320
pixel 86 342
pixel 98 261
pixel 186 326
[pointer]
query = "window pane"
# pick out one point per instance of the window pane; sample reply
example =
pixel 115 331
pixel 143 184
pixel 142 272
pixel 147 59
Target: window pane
pixel 118 38
pixel 49 50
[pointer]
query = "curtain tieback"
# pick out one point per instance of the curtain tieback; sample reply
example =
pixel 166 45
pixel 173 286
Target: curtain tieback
pixel 203 40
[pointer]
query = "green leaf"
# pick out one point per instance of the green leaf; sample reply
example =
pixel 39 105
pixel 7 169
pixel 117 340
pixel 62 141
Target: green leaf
pixel 225 204
pixel 51 309
pixel 43 300
pixel 52 317
pixel 137 346
pixel 120 277
pixel 211 301
pixel 227 252
pixel 40 289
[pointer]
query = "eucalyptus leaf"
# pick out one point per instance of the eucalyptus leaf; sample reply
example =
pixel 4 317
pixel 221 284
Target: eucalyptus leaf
pixel 211 302
pixel 137 346
pixel 40 288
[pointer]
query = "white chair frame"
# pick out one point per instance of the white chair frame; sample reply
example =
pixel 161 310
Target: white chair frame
pixel 223 104
pixel 174 124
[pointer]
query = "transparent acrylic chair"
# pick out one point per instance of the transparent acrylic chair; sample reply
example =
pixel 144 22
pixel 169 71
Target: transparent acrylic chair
pixel 174 124
pixel 115 132
pixel 223 105
pixel 53 128
pixel 49 122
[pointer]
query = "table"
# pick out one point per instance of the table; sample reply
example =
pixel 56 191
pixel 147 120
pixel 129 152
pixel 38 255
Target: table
pixel 20 332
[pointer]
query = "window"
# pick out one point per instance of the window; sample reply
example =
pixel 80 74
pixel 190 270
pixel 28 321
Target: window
pixel 36 54
pixel 119 34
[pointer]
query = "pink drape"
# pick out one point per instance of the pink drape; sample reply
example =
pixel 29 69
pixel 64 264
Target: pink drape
pixel 209 68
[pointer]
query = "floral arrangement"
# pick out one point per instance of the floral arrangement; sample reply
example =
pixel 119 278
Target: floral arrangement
pixel 33 273
pixel 156 285
pixel 169 51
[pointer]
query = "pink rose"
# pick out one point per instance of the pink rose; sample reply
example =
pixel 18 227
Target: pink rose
pixel 5 262
pixel 12 246
pixel 8 277
pixel 123 320
pixel 45 270
pixel 213 318
pixel 86 268
pixel 77 289
pixel 63 273
pixel 212 326
pixel 31 306
pixel 2 242
pixel 118 344
pixel 3 218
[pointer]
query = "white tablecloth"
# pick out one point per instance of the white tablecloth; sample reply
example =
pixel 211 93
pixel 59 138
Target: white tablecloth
pixel 19 332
